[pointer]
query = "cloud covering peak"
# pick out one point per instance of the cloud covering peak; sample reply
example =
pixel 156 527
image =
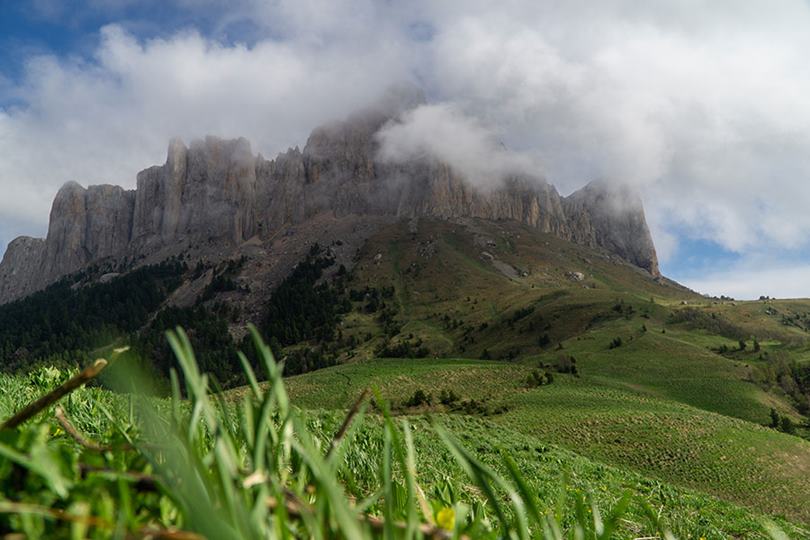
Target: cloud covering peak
pixel 442 132
pixel 700 104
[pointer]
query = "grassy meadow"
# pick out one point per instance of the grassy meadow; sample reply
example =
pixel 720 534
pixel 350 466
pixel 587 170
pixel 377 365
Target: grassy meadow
pixel 515 386
pixel 111 465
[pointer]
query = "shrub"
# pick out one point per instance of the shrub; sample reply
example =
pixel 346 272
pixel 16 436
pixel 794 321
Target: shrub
pixel 521 313
pixel 712 322
pixel 448 397
pixel 420 397
pixel 786 425
pixel 567 364
pixel 774 418
pixel 538 378
pixel 403 349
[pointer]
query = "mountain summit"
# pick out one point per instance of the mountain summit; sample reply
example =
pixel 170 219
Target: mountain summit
pixel 214 197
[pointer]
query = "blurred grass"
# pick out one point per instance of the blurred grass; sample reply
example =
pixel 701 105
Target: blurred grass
pixel 254 466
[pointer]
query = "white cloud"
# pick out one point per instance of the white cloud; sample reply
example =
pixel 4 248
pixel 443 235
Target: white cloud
pixel 749 282
pixel 104 119
pixel 444 133
pixel 701 103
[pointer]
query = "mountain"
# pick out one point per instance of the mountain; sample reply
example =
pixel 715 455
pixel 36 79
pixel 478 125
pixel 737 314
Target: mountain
pixel 215 200
pixel 523 319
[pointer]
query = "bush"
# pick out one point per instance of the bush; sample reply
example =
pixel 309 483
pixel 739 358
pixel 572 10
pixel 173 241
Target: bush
pixel 478 407
pixel 567 364
pixel 786 425
pixel 698 319
pixel 448 397
pixel 782 423
pixel 519 314
pixel 774 418
pixel 420 397
pixel 538 378
pixel 403 349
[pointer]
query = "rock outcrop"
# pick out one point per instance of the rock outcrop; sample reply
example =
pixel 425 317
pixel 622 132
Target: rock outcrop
pixel 610 217
pixel 217 192
pixel 86 225
pixel 19 270
pixel 207 190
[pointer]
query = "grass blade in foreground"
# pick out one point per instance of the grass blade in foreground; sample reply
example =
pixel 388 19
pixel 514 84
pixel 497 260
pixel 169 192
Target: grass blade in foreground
pixel 262 470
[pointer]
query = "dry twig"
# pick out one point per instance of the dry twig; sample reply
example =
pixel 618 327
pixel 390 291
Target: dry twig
pixel 32 409
pixel 344 427
pixel 9 507
pixel 71 430
pixel 296 508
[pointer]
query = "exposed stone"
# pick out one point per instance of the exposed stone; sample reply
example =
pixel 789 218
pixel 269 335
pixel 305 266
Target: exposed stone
pixel 576 276
pixel 109 277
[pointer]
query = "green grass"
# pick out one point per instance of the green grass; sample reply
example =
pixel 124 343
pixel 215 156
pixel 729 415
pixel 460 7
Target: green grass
pixel 202 466
pixel 219 467
pixel 336 387
pixel 729 458
pixel 663 415
pixel 670 366
pixel 664 404
pixel 636 430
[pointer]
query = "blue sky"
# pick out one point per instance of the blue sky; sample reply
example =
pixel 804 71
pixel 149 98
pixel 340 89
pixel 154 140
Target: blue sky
pixel 55 28
pixel 702 107
pixel 33 27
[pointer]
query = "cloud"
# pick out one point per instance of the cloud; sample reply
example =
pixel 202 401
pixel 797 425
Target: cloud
pixel 104 118
pixel 749 282
pixel 442 132
pixel 699 107
pixel 701 104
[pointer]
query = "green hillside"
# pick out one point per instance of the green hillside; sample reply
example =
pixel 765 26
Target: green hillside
pixel 731 459
pixel 156 468
pixel 575 363
pixel 662 387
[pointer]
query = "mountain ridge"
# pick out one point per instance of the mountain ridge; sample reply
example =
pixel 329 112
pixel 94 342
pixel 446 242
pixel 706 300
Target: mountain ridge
pixel 215 195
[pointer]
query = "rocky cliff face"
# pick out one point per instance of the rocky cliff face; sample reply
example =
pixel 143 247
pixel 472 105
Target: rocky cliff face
pixel 207 190
pixel 86 225
pixel 20 266
pixel 612 218
pixel 217 192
